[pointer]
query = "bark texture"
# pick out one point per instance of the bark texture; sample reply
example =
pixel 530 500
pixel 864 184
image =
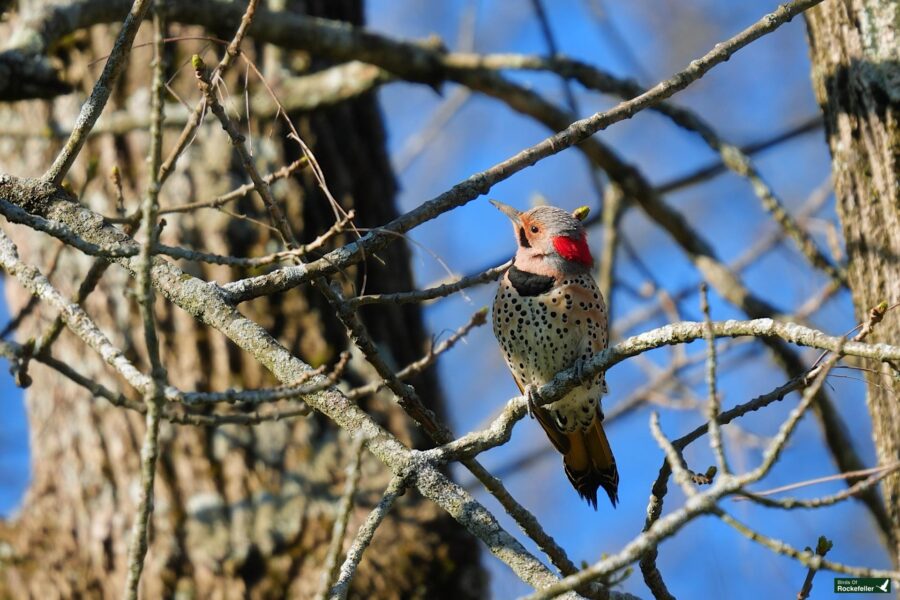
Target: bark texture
pixel 855 47
pixel 240 511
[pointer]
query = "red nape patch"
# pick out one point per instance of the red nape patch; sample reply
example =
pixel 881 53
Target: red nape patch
pixel 573 250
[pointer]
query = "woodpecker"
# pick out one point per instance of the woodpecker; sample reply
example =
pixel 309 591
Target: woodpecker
pixel 548 316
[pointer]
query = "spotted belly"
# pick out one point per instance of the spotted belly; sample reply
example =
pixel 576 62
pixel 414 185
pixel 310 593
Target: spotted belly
pixel 539 338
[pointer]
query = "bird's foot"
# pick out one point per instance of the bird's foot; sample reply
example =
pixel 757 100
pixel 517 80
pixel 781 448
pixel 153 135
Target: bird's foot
pixel 533 398
pixel 586 380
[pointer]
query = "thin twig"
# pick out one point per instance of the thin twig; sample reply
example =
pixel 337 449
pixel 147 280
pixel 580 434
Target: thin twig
pixel 705 502
pixel 568 94
pixel 822 548
pixel 806 557
pixel 613 210
pixel 364 537
pixel 204 80
pixel 342 516
pixel 153 397
pixel 810 382
pixel 284 256
pixel 673 457
pixel 439 291
pixel 878 473
pixel 91 109
pixel 196 117
pixel 414 368
pixel 713 407
pixel 809 125
pixel 238 192
pixel 14 351
pixel 827 478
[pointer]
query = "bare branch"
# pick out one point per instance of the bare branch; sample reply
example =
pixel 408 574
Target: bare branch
pixel 233 49
pixel 344 508
pixel 440 291
pixel 714 405
pixel 878 473
pixel 153 396
pixel 673 457
pixel 806 558
pixel 414 368
pixel 808 125
pixel 822 548
pixel 364 537
pixel 94 105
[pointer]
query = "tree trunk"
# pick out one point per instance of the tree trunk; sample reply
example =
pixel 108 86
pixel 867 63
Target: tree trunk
pixel 239 511
pixel 855 46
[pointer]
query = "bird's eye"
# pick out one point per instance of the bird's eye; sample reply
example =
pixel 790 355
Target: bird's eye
pixel 534 229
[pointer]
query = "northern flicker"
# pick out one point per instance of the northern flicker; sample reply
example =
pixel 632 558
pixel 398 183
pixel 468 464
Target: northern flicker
pixel 549 316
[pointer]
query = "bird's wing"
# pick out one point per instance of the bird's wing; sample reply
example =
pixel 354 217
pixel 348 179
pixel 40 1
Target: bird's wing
pixel 590 462
pixel 587 311
pixel 557 437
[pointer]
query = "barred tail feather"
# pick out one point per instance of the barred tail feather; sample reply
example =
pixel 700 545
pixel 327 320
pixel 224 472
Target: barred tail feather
pixel 590 464
pixel 587 457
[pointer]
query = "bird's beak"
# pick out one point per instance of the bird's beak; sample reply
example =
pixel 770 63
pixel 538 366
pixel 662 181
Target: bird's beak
pixel 509 211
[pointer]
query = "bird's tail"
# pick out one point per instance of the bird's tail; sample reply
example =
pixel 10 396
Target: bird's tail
pixel 590 463
pixel 587 457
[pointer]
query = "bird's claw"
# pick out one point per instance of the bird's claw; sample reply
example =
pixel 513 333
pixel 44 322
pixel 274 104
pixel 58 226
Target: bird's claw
pixel 583 378
pixel 533 399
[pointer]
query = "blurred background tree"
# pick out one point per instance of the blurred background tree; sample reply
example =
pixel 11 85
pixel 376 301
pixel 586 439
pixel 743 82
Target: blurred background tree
pixel 856 78
pixel 240 512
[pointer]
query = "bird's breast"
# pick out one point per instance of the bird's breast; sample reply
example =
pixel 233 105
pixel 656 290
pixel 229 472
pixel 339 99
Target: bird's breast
pixel 541 334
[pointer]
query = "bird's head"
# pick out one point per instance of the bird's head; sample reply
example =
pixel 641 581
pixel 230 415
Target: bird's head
pixel 550 240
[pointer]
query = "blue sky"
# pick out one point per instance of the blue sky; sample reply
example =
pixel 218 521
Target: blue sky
pixel 763 89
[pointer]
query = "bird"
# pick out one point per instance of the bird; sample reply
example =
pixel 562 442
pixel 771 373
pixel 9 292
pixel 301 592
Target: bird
pixel 548 316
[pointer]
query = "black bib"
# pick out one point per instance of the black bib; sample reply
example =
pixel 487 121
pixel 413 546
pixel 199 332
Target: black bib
pixel 529 284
